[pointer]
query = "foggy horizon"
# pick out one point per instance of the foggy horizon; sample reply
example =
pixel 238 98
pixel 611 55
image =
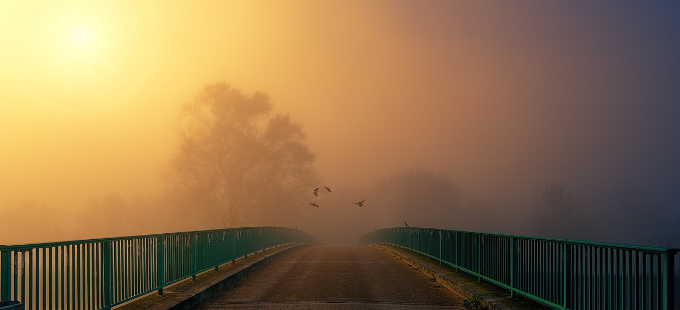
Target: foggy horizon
pixel 470 116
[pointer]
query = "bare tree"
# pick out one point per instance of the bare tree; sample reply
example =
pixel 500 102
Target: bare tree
pixel 233 157
pixel 555 199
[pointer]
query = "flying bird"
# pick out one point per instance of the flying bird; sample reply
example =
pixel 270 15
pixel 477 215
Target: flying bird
pixel 313 204
pixel 406 224
pixel 360 203
pixel 316 192
pixel 327 188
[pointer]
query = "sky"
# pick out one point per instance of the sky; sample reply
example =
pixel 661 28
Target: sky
pixel 502 96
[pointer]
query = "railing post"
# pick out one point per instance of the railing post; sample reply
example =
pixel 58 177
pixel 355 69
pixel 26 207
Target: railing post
pixel 194 255
pixel 455 249
pixel 6 270
pixel 215 245
pixel 245 256
pixel 513 262
pixel 479 257
pixel 668 270
pixel 428 234
pixel 671 277
pixel 160 263
pixel 233 246
pixel 108 275
pixel 255 240
pixel 440 246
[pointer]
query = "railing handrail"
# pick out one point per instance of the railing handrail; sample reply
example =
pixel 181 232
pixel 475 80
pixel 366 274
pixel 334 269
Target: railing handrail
pixel 82 241
pixel 568 241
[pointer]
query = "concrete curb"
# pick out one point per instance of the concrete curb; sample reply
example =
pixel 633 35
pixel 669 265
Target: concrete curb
pixel 228 282
pixel 488 300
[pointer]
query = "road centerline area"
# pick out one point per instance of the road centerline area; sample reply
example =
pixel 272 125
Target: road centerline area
pixel 335 277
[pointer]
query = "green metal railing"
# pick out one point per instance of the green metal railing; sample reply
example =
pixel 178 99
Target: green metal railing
pixel 563 274
pixel 101 273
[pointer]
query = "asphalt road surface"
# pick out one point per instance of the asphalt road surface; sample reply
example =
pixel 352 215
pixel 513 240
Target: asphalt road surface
pixel 336 278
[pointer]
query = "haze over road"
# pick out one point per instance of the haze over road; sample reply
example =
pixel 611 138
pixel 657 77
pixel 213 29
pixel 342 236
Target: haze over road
pixel 350 277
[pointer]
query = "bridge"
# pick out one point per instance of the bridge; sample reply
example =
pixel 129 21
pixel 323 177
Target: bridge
pixel 192 269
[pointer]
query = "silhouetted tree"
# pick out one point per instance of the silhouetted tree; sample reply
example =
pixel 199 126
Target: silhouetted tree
pixel 555 199
pixel 558 217
pixel 231 156
pixel 419 196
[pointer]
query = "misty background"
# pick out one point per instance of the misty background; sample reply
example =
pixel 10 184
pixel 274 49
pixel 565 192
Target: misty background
pixel 529 117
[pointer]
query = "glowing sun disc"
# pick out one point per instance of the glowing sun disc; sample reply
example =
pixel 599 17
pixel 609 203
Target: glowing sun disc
pixel 80 37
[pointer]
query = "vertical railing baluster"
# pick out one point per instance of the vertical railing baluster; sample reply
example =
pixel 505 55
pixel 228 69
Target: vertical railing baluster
pixel 233 246
pixel 50 286
pixel 107 258
pixel 622 280
pixel 76 276
pixel 513 261
pixel 6 275
pixel 160 263
pixel 59 280
pixel 440 246
pixel 660 283
pixel 30 268
pixel 566 275
pixel 41 277
pixel 215 245
pixel 670 268
pixel 86 277
pixel 245 241
pixel 194 255
pixel 479 258
pixel 667 270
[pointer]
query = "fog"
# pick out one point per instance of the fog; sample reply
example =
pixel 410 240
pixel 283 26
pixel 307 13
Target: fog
pixel 492 104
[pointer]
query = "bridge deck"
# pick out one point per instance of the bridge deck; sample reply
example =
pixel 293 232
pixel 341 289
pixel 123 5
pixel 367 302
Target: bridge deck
pixel 336 278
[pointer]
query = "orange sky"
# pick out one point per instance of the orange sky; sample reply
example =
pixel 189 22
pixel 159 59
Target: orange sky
pixel 499 96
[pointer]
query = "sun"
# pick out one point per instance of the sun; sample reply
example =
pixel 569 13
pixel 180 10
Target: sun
pixel 80 37
pixel 78 57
